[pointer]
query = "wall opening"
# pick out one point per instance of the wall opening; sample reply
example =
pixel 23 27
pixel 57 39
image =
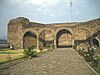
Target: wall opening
pixel 95 42
pixel 64 39
pixel 29 39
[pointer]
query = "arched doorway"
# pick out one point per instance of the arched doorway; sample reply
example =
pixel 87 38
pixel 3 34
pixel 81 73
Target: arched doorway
pixel 64 39
pixel 96 39
pixel 29 39
pixel 95 42
pixel 46 38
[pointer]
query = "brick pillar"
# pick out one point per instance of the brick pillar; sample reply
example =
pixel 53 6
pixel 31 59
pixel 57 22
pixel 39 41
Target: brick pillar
pixel 21 42
pixel 55 41
pixel 37 41
pixel 72 43
pixel 55 44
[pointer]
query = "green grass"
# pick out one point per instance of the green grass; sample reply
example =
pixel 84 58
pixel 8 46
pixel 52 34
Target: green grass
pixel 10 55
pixel 14 54
pixel 3 52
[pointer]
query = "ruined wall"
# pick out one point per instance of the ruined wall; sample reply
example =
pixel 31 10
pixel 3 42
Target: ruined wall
pixel 47 33
pixel 15 30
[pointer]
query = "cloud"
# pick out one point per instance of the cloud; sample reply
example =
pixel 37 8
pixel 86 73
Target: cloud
pixel 84 2
pixel 39 3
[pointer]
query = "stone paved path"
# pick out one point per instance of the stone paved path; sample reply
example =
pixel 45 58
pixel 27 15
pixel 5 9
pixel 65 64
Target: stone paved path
pixel 57 62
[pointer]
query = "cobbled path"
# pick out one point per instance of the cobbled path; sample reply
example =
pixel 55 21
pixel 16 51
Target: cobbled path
pixel 57 62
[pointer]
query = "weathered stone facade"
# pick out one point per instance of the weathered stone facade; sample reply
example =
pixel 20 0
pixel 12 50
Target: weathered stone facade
pixel 22 32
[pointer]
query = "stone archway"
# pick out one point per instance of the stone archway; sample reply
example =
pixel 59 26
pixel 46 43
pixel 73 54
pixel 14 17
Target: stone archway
pixel 29 39
pixel 81 37
pixel 81 34
pixel 63 38
pixel 46 38
pixel 95 42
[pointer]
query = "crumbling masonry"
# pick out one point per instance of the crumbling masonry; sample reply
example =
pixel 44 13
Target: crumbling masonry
pixel 22 33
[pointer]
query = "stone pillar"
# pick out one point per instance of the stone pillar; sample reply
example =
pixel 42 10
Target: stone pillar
pixel 21 42
pixel 37 41
pixel 55 41
pixel 72 43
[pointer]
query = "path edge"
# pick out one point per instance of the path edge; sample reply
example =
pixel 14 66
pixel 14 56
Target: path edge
pixel 86 63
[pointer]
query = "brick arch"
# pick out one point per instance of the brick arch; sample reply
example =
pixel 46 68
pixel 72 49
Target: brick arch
pixel 96 33
pixel 80 32
pixel 42 29
pixel 63 38
pixel 95 41
pixel 46 37
pixel 69 29
pixel 29 30
pixel 96 29
pixel 29 39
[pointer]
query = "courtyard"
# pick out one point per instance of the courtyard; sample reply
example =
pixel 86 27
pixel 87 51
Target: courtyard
pixel 62 61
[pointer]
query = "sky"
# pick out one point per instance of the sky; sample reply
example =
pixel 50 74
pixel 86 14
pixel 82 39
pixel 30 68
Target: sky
pixel 47 11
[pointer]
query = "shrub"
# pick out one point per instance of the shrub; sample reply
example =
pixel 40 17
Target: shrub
pixel 49 48
pixel 29 52
pixel 41 49
pixel 81 51
pixel 89 55
pixel 53 46
pixel 95 61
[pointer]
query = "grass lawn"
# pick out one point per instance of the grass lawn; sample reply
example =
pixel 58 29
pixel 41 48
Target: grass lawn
pixel 8 55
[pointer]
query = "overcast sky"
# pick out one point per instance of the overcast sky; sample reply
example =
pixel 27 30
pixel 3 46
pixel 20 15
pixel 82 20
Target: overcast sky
pixel 47 11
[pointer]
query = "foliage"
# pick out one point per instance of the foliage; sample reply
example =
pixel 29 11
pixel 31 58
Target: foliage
pixel 89 55
pixel 95 61
pixel 81 51
pixel 30 52
pixel 41 49
pixel 51 47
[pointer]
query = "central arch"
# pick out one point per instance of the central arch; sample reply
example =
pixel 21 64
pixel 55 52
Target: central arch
pixel 46 38
pixel 64 38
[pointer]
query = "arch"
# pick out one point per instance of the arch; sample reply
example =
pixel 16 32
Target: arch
pixel 81 34
pixel 96 38
pixel 29 39
pixel 61 28
pixel 95 42
pixel 96 33
pixel 63 38
pixel 46 37
pixel 30 30
pixel 48 29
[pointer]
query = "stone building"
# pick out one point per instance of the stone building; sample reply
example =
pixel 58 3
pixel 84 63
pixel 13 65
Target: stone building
pixel 22 33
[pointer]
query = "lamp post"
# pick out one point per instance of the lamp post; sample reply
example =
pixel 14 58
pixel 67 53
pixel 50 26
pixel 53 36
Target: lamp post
pixel 71 8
